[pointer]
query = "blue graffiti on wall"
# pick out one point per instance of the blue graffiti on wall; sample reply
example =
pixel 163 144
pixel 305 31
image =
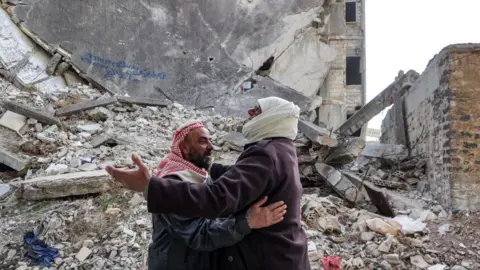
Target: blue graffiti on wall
pixel 121 70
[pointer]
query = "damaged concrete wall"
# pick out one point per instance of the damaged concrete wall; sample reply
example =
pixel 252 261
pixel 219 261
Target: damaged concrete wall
pixel 193 53
pixel 442 120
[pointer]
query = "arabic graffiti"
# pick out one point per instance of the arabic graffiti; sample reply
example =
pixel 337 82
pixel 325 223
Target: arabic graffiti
pixel 121 69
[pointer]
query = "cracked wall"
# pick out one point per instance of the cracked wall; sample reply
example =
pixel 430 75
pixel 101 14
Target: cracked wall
pixel 442 120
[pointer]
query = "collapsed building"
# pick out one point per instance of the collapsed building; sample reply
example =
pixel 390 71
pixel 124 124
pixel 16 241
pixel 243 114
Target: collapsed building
pixel 437 118
pixel 77 97
pixel 223 56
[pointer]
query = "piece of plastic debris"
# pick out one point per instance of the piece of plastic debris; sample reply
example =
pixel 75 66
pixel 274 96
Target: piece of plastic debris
pixel 409 225
pixel 311 246
pixel 443 229
pixel 331 263
pixel 38 252
pixel 437 267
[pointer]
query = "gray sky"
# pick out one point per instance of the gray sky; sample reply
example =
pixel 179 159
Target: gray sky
pixel 403 35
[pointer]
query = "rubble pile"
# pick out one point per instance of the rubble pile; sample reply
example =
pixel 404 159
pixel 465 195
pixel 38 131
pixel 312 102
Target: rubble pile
pixel 55 146
pixel 406 174
pixel 365 240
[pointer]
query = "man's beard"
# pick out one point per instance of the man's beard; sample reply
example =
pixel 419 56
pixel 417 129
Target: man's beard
pixel 201 161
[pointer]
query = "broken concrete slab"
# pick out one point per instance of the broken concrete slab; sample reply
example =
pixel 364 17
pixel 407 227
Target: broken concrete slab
pixel 15 46
pixel 305 64
pixel 196 62
pixel 317 134
pixel 13 121
pixel 13 160
pixel 346 153
pixel 239 102
pixel 34 70
pixel 76 108
pixel 340 183
pixel 65 185
pixel 42 117
pixel 377 104
pixel 377 197
pixel 388 152
pixel 52 85
pixel 143 101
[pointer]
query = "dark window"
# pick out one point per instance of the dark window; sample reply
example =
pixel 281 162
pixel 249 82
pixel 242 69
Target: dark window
pixel 350 11
pixel 354 77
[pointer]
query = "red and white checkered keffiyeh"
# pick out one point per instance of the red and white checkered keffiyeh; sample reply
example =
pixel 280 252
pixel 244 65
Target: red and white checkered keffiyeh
pixel 174 161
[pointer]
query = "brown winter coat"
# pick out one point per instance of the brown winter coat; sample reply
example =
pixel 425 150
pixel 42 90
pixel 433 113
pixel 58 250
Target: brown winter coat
pixel 266 168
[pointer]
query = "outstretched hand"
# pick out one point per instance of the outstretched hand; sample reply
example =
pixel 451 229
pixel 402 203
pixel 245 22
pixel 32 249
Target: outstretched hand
pixel 261 217
pixel 136 179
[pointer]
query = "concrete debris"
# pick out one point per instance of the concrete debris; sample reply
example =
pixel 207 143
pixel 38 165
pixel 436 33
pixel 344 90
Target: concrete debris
pixel 64 185
pixel 391 153
pixel 341 184
pixel 13 121
pixel 14 160
pixel 29 112
pixel 317 134
pixel 346 153
pixel 76 108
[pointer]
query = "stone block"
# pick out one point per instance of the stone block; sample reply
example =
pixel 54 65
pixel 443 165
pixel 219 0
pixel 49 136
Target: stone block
pixel 65 185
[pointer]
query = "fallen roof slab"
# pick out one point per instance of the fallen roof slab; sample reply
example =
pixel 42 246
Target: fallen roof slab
pixel 378 103
pixel 148 51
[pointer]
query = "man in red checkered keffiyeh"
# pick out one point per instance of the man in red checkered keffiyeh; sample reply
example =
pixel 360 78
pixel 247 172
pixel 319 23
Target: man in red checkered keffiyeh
pixel 191 150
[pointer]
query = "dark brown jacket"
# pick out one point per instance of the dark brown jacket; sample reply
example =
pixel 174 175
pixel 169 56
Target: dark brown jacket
pixel 266 168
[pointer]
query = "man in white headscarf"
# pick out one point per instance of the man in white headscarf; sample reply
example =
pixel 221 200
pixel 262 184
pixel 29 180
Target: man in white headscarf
pixel 267 167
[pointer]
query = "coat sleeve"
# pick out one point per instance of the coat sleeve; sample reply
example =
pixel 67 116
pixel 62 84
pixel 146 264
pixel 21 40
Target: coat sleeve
pixel 217 170
pixel 244 183
pixel 207 234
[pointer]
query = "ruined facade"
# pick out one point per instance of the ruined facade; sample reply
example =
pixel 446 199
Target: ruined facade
pixel 344 88
pixel 441 120
pixel 191 53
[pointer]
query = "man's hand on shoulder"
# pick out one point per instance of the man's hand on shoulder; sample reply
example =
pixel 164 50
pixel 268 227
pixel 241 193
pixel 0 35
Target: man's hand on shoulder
pixel 261 217
pixel 136 179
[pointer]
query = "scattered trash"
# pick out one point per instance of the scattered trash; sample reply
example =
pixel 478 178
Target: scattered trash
pixel 410 225
pixel 437 267
pixel 443 229
pixel 38 252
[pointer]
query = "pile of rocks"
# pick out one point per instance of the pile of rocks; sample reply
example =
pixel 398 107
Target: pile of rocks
pixel 364 240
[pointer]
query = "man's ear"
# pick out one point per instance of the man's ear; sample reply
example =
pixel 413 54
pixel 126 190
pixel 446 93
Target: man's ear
pixel 184 148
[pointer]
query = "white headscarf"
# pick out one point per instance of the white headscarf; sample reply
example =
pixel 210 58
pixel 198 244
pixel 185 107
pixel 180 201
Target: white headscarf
pixel 279 118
